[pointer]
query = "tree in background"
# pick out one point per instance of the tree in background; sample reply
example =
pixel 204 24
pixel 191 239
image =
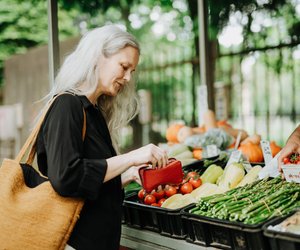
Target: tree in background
pixel 24 24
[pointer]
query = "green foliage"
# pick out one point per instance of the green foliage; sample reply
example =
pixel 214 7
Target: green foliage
pixel 24 24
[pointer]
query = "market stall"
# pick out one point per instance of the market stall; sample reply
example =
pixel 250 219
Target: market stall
pixel 224 200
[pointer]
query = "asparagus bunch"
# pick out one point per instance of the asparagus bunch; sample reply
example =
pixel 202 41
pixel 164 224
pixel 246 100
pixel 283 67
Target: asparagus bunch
pixel 252 203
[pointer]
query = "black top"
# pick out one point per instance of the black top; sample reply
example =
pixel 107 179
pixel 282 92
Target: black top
pixel 77 169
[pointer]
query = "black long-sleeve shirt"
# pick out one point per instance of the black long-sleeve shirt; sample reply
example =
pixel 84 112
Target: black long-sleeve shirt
pixel 77 168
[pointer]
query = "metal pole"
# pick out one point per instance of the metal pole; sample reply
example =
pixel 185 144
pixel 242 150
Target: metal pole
pixel 203 49
pixel 53 44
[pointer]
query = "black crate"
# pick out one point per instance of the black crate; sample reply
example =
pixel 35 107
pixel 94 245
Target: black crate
pixel 167 222
pixel 281 240
pixel 223 234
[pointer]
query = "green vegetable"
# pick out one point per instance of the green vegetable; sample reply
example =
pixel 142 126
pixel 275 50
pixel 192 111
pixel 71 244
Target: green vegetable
pixel 211 174
pixel 251 176
pixel 252 203
pixel 233 174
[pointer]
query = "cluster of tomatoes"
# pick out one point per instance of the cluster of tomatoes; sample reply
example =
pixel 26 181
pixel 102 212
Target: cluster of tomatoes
pixel 292 159
pixel 157 196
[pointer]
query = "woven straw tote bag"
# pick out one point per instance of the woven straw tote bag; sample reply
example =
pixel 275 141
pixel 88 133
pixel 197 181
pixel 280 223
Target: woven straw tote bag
pixel 34 217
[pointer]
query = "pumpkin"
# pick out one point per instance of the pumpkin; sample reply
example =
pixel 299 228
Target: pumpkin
pixel 252 138
pixel 275 149
pixel 172 131
pixel 252 151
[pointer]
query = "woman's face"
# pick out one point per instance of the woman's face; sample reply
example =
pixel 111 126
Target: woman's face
pixel 116 70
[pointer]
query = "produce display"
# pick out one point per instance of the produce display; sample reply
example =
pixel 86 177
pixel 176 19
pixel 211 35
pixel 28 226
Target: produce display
pixel 192 140
pixel 252 203
pixel 290 225
pixel 292 159
pixel 221 202
pixel 161 196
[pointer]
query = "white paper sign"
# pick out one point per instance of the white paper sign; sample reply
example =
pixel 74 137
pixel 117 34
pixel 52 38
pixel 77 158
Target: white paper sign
pixel 211 150
pixel 265 145
pixel 235 156
pixel 291 172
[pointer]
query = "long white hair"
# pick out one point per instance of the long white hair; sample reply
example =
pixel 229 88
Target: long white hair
pixel 79 75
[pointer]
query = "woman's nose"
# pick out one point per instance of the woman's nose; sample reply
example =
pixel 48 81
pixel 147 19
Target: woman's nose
pixel 127 76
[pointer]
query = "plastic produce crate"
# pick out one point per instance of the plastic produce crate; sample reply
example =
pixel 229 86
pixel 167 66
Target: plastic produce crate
pixel 281 240
pixel 165 221
pixel 223 234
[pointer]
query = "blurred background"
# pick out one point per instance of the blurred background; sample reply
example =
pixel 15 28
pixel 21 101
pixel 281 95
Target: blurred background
pixel 252 62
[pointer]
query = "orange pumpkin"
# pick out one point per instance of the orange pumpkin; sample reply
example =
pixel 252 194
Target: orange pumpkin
pixel 172 131
pixel 252 151
pixel 274 148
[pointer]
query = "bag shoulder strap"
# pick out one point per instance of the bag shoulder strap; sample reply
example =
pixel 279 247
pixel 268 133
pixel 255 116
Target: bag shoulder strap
pixel 31 140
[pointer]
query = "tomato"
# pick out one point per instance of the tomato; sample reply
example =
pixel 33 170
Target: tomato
pixel 170 190
pixel 141 194
pixel 191 174
pixel 286 160
pixel 159 194
pixel 149 199
pixel 161 201
pixel 186 188
pixel 196 182
pixel 155 204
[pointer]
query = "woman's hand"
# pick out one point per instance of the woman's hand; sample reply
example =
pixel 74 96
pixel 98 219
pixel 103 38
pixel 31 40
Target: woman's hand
pixel 149 154
pixel 131 174
pixel 292 146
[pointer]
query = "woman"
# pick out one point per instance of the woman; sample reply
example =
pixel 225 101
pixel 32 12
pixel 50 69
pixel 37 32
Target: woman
pixel 98 77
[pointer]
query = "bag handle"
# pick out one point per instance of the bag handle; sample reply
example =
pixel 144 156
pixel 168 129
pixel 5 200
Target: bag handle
pixel 31 140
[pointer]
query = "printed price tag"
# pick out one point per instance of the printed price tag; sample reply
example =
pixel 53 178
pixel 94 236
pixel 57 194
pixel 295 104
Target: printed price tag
pixel 211 150
pixel 265 145
pixel 235 156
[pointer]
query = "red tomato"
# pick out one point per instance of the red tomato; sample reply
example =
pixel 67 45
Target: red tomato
pixel 169 191
pixel 286 160
pixel 196 182
pixel 155 205
pixel 159 194
pixel 191 175
pixel 186 188
pixel 141 194
pixel 149 199
pixel 161 201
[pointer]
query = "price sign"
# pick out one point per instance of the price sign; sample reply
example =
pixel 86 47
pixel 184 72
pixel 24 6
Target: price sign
pixel 265 145
pixel 211 150
pixel 235 156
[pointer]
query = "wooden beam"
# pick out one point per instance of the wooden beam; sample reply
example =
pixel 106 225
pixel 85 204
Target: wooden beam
pixel 53 43
pixel 204 50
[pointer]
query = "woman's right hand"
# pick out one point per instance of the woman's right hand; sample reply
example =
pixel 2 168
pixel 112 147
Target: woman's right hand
pixel 290 148
pixel 149 154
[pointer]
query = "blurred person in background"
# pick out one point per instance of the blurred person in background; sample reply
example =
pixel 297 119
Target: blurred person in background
pixel 97 76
